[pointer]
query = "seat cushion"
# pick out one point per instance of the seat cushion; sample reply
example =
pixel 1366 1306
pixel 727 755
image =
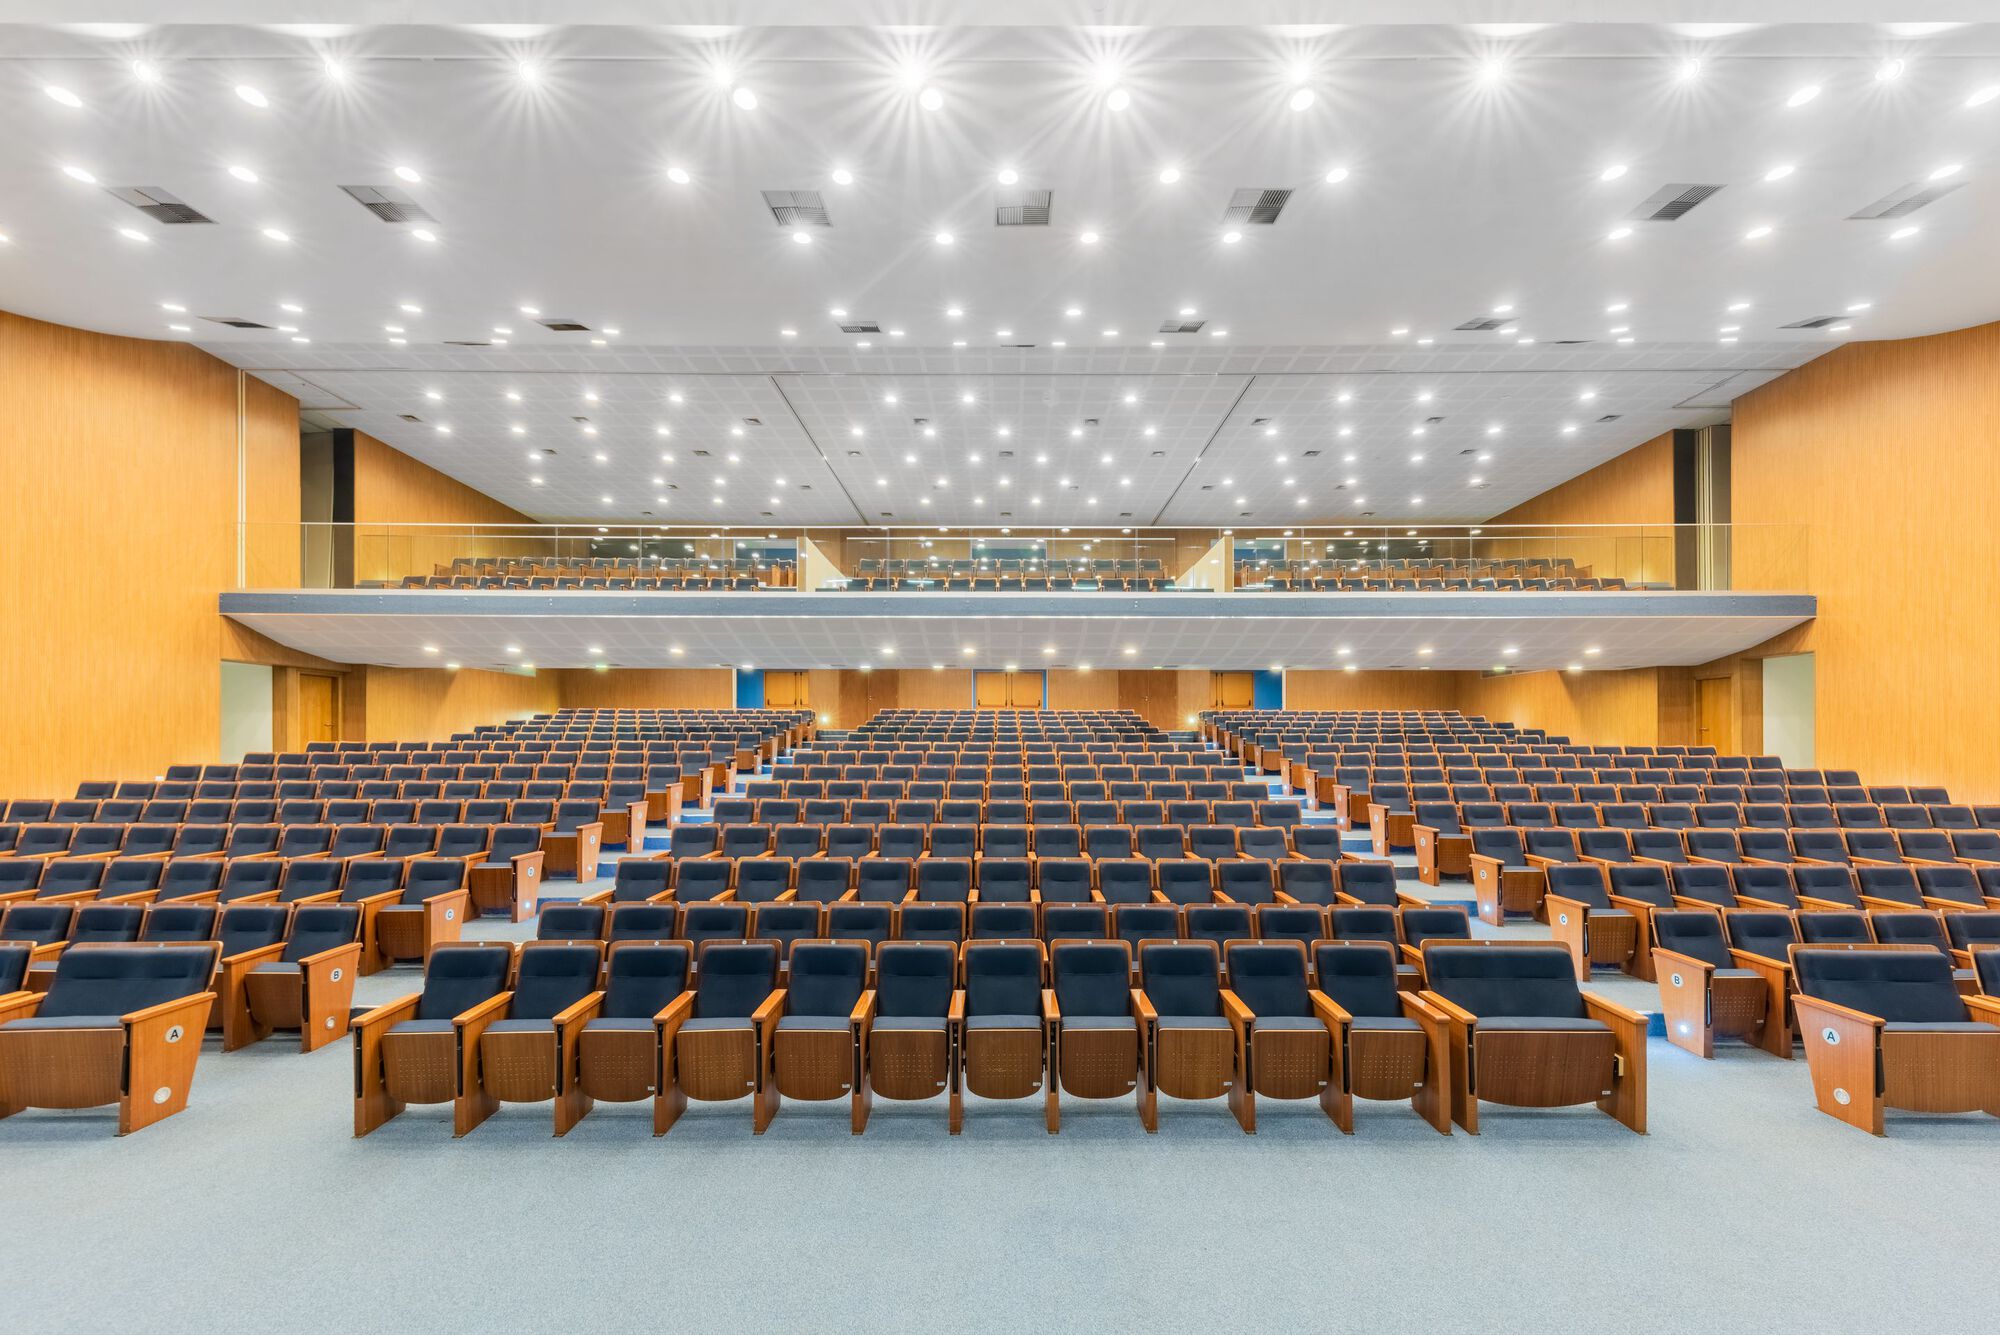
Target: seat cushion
pixel 910 1022
pixel 275 966
pixel 1003 1022
pixel 1193 1022
pixel 66 1022
pixel 1933 1027
pixel 521 1027
pixel 421 1027
pixel 619 1024
pixel 1293 1023
pixel 1400 1023
pixel 716 1024
pixel 797 1023
pixel 1540 1022
pixel 1099 1022
pixel 1737 973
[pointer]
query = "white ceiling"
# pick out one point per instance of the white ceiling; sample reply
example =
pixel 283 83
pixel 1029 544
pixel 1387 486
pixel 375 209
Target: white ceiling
pixel 781 630
pixel 1465 194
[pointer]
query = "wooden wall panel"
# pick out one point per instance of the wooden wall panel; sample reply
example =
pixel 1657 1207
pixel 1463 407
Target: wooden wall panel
pixel 1071 689
pixel 271 540
pixel 1590 707
pixel 123 450
pixel 645 688
pixel 1166 698
pixel 1886 452
pixel 425 704
pixel 1371 690
pixel 392 491
pixel 1636 488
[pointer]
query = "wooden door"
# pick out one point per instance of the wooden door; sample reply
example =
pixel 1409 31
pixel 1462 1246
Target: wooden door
pixel 786 690
pixel 319 708
pixel 1231 690
pixel 1711 713
pixel 1007 690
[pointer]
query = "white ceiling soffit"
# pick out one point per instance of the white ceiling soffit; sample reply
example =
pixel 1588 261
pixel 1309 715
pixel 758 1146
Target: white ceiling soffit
pixel 1097 630
pixel 1475 159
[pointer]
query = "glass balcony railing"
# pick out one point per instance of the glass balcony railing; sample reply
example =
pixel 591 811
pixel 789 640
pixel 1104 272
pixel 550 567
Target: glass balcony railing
pixel 1392 558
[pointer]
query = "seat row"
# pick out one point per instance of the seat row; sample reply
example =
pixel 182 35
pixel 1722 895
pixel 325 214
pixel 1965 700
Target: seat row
pixel 997 1019
pixel 1051 839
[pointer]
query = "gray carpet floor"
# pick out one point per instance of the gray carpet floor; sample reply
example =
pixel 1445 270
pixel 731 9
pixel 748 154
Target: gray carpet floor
pixel 257 1210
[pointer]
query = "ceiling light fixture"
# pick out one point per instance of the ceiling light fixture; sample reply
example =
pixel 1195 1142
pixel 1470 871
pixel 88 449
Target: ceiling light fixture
pixel 254 96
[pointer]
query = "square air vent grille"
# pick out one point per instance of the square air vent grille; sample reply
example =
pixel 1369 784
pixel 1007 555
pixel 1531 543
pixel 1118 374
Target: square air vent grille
pixel 797 208
pixel 388 203
pixel 162 206
pixel 1670 203
pixel 1255 206
pixel 235 321
pixel 1484 324
pixel 560 326
pixel 1023 208
pixel 1179 326
pixel 1909 199
pixel 863 327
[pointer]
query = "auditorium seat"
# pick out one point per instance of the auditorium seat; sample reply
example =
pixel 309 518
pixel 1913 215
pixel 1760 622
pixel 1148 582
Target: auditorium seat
pixel 1193 1050
pixel 415 1049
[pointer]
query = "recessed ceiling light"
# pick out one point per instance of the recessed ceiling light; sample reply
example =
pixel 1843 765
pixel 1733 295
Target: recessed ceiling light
pixel 145 71
pixel 1780 172
pixel 244 174
pixel 1150 431
pixel 1731 328
pixel 1569 428
pixel 409 174
pixel 133 234
pixel 1302 98
pixel 1803 95
pixel 423 234
pixel 1948 170
pixel 276 234
pixel 1620 233
pixel 744 99
pixel 1088 238
pixel 1109 333
pixel 842 176
pixel 1859 306
pixel 1492 71
pixel 943 238
pixel 930 99
pixel 678 175
pixel 1984 95
pixel 1904 233
pixel 800 236
pixel 1739 306
pixel 1729 339
pixel 1168 175
pixel 254 96
pixel 292 306
pixel 79 174
pixel 525 310
pixel 1613 172
pixel 1231 238
pixel 1757 233
pixel 1838 328
pixel 1426 342
pixel 1889 71
pixel 180 328
pixel 1587 396
pixel 1689 71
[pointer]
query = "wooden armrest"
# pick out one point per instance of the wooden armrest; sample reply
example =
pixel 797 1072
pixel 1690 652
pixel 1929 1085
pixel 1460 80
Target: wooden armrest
pixel 1804 1002
pixel 675 1011
pixel 956 1015
pixel 1331 1012
pixel 1687 963
pixel 1234 1010
pixel 1451 1010
pixel 769 1009
pixel 20 1005
pixel 1142 1006
pixel 597 897
pixel 312 962
pixel 1050 1011
pixel 484 1013
pixel 583 1008
pixel 166 1008
pixel 248 959
pixel 388 1013
pixel 386 897
pixel 1984 1008
pixel 1415 1008
pixel 864 1009
pixel 1412 954
pixel 1608 1011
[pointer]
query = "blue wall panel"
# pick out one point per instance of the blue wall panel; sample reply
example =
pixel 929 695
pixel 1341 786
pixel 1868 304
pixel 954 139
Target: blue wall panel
pixel 1267 691
pixel 749 688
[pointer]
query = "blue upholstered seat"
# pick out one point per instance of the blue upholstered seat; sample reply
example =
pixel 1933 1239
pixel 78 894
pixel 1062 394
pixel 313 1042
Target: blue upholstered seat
pixel 99 986
pixel 1904 987
pixel 1518 982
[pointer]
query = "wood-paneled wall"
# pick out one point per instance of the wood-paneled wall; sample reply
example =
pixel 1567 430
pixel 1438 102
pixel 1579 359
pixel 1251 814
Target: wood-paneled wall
pixel 1887 451
pixel 1371 690
pixel 645 688
pixel 1638 707
pixel 1634 489
pixel 120 520
pixel 393 492
pixel 425 704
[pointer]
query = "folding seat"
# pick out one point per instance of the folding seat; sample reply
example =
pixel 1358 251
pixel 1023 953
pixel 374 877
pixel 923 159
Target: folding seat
pixel 1502 878
pixel 1835 928
pixel 1711 845
pixel 823 811
pixel 1519 1032
pixel 508 880
pixel 747 840
pixel 1367 883
pixel 1888 888
pixel 1871 845
pixel 1194 1050
pixel 1155 842
pixel 1763 886
pixel 1318 842
pixel 943 880
pixel 790 843
pixel 1247 882
pixel 1888 1029
pixel 1951 889
pixel 1702 885
pixel 703 880
pixel 190 880
pixel 883 880
pixel 1824 886
pixel 1108 841
pixel 1672 816
pixel 1218 924
pixel 1058 841
pixel 1925 845
pixel 1215 843
pixel 51 880
pixel 1142 813
pixel 1097 1049
pixel 116 1026
pixel 634 881
pixel 94 841
pixel 849 841
pixel 1184 880
pixel 906 1023
pixel 760 880
pixel 1583 918
pixel 1083 922
pixel 867 923
pixel 822 880
pixel 306 983
pixel 1308 881
pixel 1004 841
pixel 1975 846
pixel 147 841
pixel 1951 817
pixel 1135 924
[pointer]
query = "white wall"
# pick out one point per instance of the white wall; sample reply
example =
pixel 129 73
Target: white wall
pixel 1788 709
pixel 246 710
